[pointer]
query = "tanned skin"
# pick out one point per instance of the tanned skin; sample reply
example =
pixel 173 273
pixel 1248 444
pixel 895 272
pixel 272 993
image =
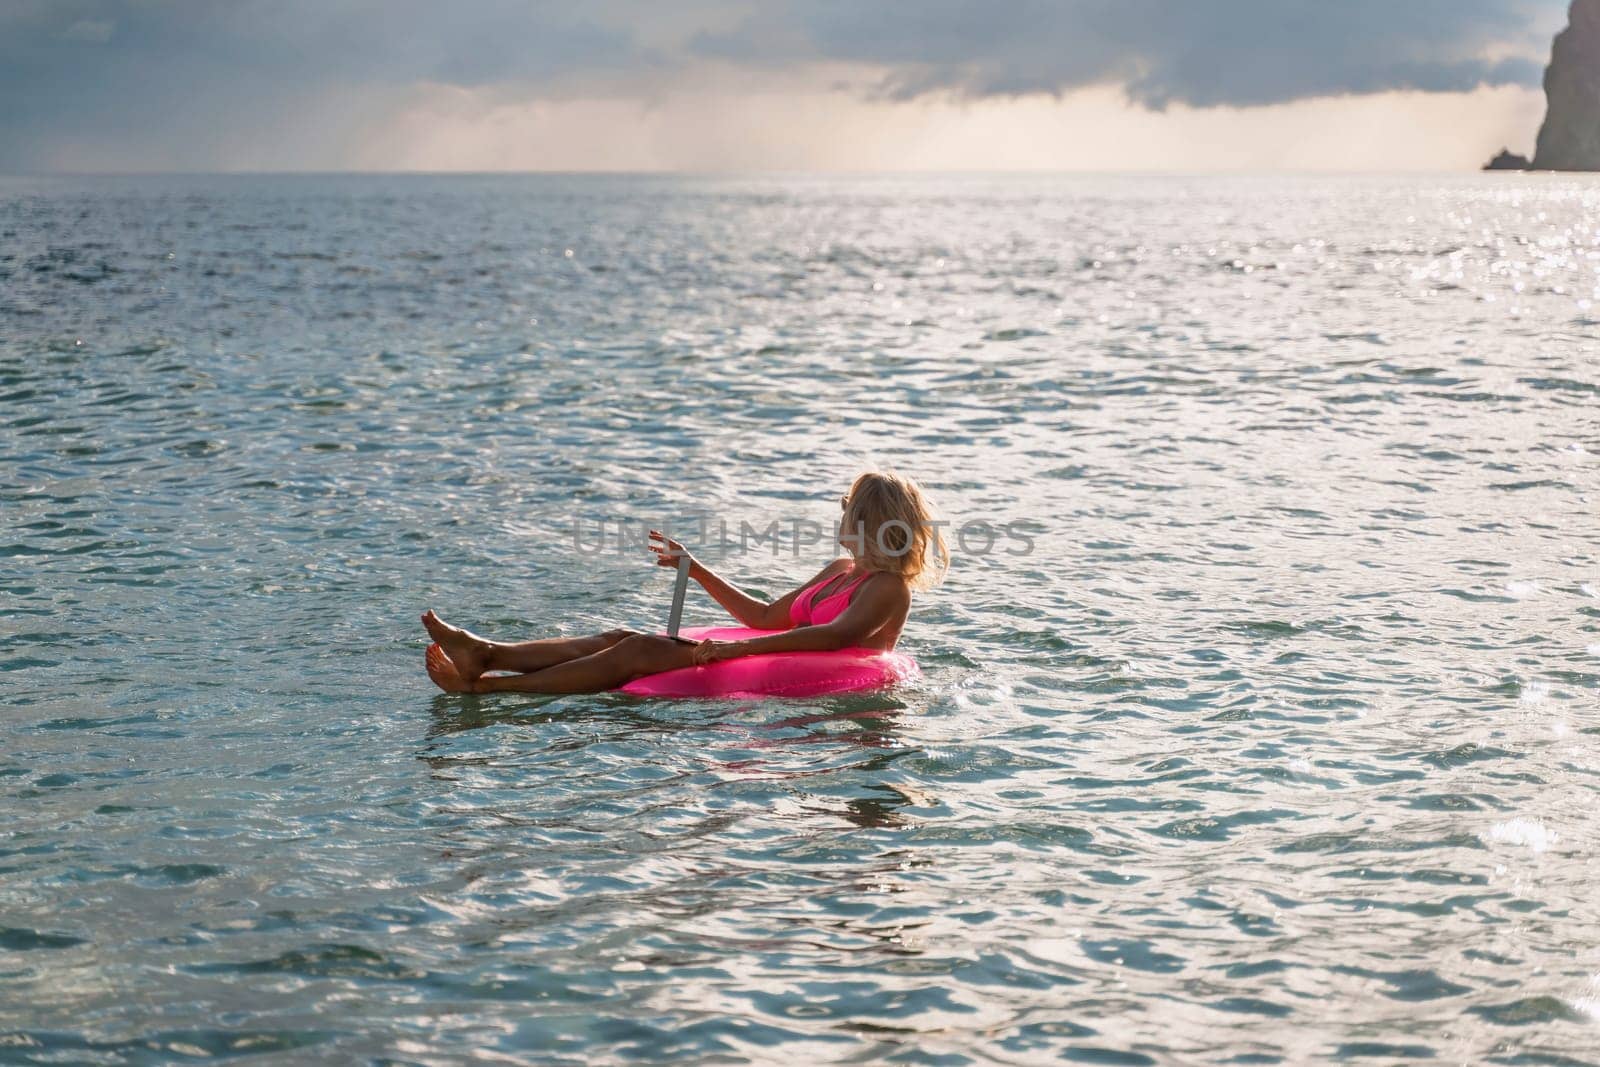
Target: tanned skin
pixel 460 661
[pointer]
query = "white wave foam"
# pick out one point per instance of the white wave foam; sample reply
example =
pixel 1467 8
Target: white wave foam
pixel 1523 832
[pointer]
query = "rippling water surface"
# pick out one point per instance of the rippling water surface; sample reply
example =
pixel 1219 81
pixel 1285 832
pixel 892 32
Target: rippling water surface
pixel 1282 744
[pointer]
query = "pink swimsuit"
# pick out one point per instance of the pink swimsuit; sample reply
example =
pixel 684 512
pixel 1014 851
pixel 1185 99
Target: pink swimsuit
pixel 784 674
pixel 805 611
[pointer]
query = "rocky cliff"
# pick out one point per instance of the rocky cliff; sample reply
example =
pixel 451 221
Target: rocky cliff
pixel 1507 160
pixel 1570 137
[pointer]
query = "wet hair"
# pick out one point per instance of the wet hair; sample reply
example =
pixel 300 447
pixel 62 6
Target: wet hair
pixel 888 525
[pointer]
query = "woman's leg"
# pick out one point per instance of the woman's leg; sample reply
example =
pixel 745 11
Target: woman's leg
pixel 472 655
pixel 527 656
pixel 620 663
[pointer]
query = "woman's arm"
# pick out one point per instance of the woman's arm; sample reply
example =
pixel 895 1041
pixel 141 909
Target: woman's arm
pixel 879 600
pixel 754 613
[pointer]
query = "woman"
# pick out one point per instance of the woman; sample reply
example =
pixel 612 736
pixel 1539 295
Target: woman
pixel 860 601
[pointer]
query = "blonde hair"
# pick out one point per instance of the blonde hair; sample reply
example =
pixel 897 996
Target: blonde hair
pixel 890 526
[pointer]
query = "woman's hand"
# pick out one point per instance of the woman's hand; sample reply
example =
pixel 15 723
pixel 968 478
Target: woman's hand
pixel 667 551
pixel 709 651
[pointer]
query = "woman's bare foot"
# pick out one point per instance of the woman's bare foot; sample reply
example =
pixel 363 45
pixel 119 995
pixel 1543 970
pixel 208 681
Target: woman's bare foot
pixel 443 671
pixel 468 651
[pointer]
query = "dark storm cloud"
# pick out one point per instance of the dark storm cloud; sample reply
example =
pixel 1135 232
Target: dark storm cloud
pixel 119 70
pixel 1200 52
pixel 174 81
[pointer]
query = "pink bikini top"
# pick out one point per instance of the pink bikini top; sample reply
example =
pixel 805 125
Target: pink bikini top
pixel 806 610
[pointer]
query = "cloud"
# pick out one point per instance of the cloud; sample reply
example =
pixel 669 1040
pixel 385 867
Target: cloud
pixel 295 84
pixel 1204 53
pixel 89 31
pixel 807 128
pixel 178 80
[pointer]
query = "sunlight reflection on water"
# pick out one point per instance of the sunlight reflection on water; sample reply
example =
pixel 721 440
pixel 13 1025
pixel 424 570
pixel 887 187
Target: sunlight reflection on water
pixel 1278 746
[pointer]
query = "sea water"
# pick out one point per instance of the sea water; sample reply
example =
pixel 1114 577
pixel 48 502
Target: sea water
pixel 1268 733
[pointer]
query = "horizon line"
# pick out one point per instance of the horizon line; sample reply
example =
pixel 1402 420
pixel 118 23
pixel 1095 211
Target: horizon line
pixel 761 172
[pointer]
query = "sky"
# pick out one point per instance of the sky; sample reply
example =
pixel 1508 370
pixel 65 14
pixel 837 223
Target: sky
pixel 786 85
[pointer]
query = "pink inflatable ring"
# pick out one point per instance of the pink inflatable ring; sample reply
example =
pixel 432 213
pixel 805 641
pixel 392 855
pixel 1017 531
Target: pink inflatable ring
pixel 776 674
